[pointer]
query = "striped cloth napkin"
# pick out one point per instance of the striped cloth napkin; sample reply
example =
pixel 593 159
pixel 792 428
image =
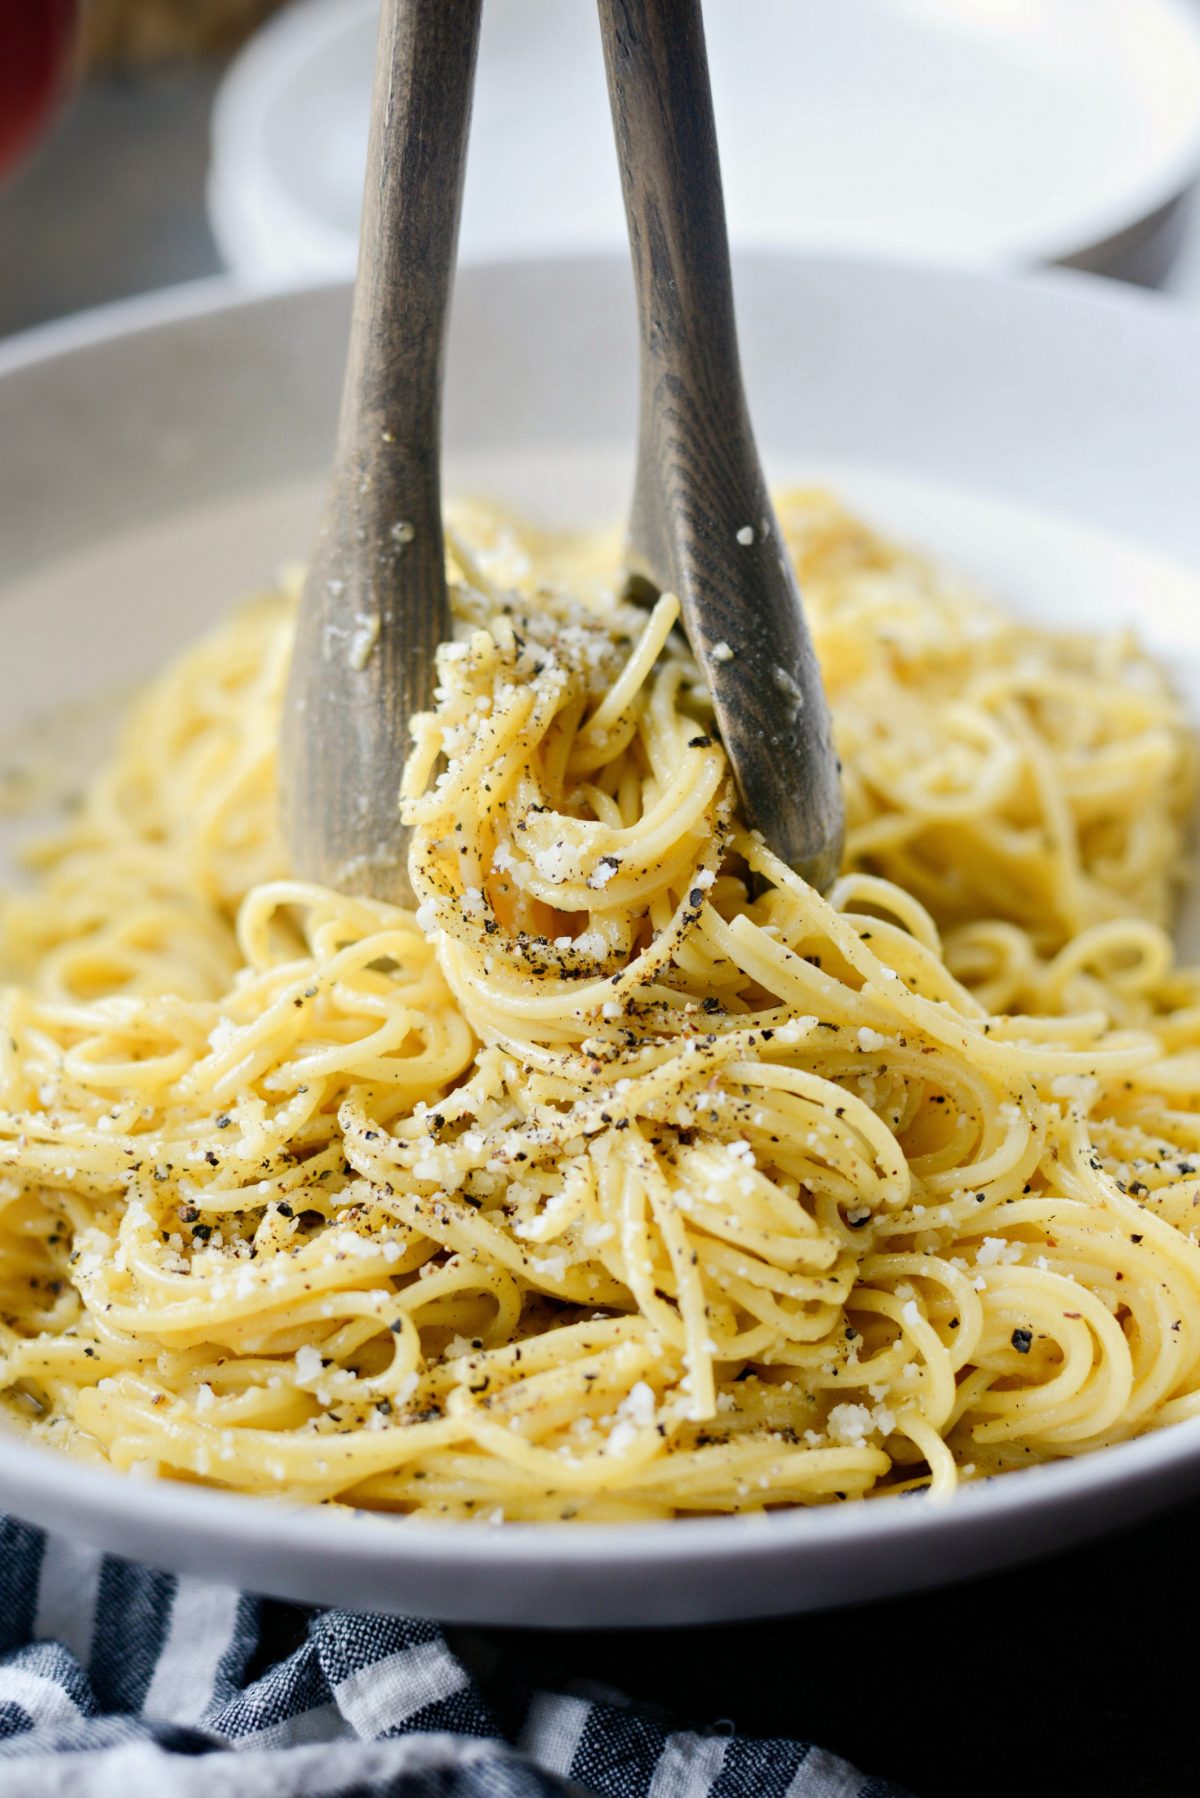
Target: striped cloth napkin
pixel 120 1682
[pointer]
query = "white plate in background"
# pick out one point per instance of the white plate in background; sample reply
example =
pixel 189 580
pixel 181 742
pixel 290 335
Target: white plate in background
pixel 1002 132
pixel 161 458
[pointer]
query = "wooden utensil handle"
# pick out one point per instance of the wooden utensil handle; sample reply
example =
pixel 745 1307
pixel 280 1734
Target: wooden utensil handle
pixel 374 607
pixel 702 523
pixel 671 178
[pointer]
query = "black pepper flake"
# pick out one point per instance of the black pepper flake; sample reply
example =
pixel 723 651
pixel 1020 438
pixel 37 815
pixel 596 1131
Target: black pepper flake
pixel 700 742
pixel 1022 1341
pixel 222 1121
pixel 284 1209
pixel 187 1214
pixel 203 1231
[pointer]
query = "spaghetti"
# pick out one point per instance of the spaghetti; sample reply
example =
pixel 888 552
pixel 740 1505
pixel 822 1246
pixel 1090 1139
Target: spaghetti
pixel 627 1177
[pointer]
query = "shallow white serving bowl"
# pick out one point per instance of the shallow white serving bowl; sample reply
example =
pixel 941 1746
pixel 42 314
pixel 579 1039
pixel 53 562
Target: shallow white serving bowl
pixel 1008 132
pixel 161 458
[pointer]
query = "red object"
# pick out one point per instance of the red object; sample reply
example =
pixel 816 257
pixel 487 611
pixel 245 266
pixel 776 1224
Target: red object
pixel 37 40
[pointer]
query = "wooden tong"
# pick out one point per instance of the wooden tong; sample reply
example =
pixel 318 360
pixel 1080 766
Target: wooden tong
pixel 374 605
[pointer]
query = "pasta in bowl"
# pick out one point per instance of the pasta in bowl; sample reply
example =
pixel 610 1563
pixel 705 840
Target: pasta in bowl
pixel 627 1177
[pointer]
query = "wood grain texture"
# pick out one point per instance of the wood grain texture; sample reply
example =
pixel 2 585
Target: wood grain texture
pixel 374 605
pixel 702 524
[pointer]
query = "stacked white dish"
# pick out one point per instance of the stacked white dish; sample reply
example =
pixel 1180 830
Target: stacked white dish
pixel 997 132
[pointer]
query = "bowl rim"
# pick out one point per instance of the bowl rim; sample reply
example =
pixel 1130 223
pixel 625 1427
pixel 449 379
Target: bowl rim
pixel 104 1495
pixel 230 290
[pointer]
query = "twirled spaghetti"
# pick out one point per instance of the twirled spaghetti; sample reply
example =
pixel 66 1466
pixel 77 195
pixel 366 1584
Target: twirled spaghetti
pixel 628 1177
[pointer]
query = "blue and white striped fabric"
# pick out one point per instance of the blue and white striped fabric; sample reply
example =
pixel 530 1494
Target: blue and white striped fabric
pixel 119 1682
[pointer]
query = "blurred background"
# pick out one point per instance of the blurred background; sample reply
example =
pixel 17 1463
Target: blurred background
pixel 148 142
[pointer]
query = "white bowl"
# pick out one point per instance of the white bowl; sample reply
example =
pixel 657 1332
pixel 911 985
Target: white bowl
pixel 1010 132
pixel 163 456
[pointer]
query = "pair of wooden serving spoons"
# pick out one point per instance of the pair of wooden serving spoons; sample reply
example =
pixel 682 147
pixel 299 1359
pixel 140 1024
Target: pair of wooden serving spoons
pixel 374 606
